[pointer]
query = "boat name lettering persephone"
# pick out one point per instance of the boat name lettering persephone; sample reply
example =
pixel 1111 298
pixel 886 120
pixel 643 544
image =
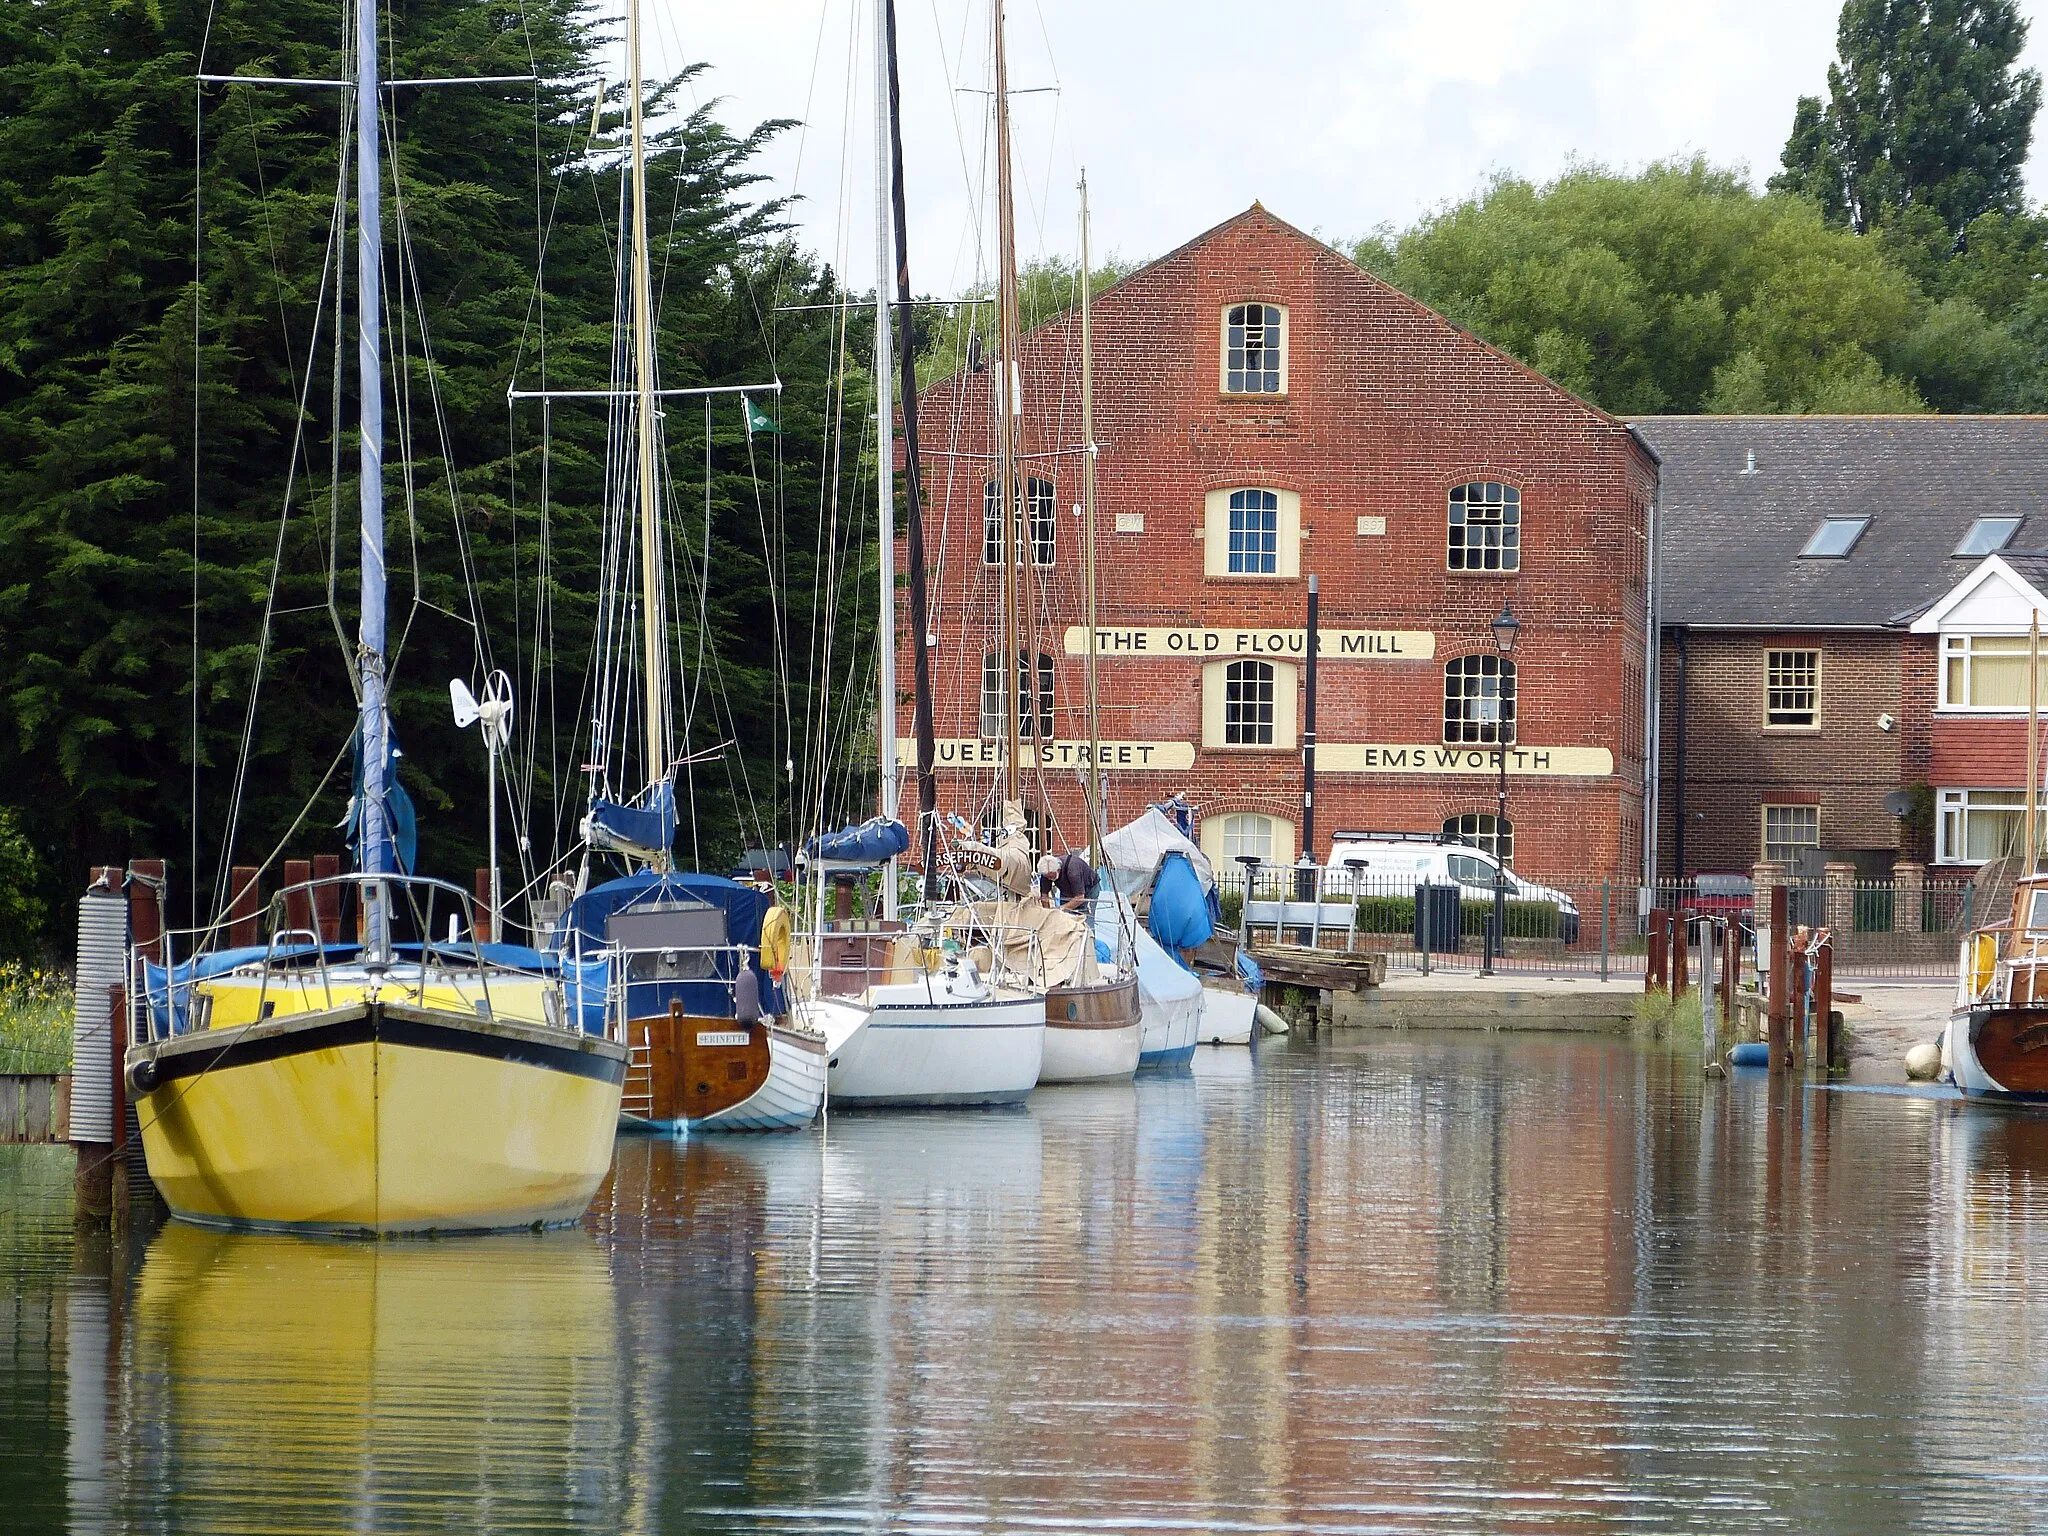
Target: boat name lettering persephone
pixel 1332 644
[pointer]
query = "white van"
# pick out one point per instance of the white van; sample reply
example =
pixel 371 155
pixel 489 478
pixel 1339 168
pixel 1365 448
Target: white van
pixel 1394 863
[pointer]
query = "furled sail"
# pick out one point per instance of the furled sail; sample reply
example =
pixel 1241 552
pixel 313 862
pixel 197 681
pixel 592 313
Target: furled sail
pixel 646 826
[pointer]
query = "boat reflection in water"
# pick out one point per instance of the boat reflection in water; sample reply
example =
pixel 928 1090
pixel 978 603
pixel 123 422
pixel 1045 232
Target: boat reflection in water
pixel 286 1384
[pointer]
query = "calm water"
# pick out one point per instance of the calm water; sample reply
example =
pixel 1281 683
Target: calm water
pixel 1414 1283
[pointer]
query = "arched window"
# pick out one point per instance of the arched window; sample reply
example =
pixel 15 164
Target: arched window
pixel 1483 830
pixel 1254 349
pixel 1247 835
pixel 1248 704
pixel 1034 697
pixel 1254 533
pixel 1479 699
pixel 1485 530
pixel 1035 504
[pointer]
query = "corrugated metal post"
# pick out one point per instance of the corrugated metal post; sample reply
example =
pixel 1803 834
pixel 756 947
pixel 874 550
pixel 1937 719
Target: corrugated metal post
pixel 1710 1032
pixel 1781 984
pixel 102 966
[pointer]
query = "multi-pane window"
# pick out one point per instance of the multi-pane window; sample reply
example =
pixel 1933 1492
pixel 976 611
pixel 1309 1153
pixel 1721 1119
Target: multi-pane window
pixel 1792 687
pixel 1248 704
pixel 1789 829
pixel 1479 699
pixel 1987 672
pixel 1035 510
pixel 1034 696
pixel 1253 349
pixel 1485 831
pixel 1246 835
pixel 1485 527
pixel 1254 533
pixel 1979 825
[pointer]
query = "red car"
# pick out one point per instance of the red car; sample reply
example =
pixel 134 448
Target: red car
pixel 1718 894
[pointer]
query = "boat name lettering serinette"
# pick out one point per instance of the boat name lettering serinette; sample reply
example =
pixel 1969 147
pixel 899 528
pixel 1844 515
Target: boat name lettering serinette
pixel 1332 644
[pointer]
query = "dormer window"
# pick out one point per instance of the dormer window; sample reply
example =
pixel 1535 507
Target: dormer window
pixel 1255 350
pixel 1835 537
pixel 1988 535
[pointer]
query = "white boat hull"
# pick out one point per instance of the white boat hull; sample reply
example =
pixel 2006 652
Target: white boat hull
pixel 1227 1014
pixel 788 1097
pixel 1170 1026
pixel 1090 1055
pixel 932 1044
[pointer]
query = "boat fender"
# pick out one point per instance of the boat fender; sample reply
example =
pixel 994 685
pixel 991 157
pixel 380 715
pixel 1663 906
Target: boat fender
pixel 1270 1021
pixel 1923 1062
pixel 746 996
pixel 142 1077
pixel 1751 1053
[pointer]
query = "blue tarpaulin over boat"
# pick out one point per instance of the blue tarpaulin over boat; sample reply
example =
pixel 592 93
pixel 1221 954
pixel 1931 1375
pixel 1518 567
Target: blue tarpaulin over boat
pixel 646 826
pixel 1180 907
pixel 711 997
pixel 872 842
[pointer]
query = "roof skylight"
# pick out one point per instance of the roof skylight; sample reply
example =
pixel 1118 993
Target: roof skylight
pixel 1835 537
pixel 1988 535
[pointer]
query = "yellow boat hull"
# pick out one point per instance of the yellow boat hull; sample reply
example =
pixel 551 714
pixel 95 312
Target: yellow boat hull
pixel 377 1117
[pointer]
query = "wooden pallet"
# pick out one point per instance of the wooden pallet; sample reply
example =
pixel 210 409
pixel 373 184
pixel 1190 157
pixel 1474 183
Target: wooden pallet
pixel 1327 970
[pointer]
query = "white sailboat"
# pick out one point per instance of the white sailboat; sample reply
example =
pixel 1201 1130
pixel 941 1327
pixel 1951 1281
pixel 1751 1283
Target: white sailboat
pixel 946 1023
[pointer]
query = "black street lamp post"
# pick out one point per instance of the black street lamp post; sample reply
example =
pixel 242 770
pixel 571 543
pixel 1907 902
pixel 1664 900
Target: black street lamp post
pixel 1506 630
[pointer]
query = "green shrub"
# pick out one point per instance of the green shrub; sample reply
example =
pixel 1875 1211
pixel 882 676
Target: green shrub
pixel 1386 914
pixel 1232 903
pixel 35 1020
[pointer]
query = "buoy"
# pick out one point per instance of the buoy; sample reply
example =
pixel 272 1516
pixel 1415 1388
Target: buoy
pixel 1751 1053
pixel 1270 1021
pixel 1923 1062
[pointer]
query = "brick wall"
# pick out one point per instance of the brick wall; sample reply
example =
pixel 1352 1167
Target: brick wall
pixel 1734 764
pixel 1388 406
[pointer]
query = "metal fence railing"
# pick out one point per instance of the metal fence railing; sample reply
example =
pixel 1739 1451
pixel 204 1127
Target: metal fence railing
pixel 1883 930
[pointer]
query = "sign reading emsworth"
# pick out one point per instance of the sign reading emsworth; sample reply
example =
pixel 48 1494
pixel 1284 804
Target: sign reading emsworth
pixel 972 752
pixel 1558 762
pixel 1211 644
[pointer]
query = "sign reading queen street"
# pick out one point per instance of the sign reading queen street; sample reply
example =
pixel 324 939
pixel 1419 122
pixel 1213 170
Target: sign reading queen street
pixel 1219 644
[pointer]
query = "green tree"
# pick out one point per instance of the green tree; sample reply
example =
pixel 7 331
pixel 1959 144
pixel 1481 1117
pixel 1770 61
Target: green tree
pixel 1925 109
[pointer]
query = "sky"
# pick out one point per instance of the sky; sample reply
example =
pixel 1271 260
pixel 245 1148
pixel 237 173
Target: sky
pixel 1339 117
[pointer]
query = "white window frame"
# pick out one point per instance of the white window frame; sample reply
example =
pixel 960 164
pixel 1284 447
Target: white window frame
pixel 1032 725
pixel 1484 830
pixel 1506 700
pixel 1505 544
pixel 1216 534
pixel 1222 838
pixel 1786 681
pixel 1223 371
pixel 1037 510
pixel 1802 812
pixel 1955 807
pixel 1215 696
pixel 1963 649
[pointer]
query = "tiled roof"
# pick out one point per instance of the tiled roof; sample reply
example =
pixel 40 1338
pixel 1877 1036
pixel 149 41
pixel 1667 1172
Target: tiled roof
pixel 1741 495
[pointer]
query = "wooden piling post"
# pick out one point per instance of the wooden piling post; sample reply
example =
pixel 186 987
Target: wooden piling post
pixel 1731 969
pixel 1781 984
pixel 298 904
pixel 1659 942
pixel 243 882
pixel 145 914
pixel 486 919
pixel 1681 964
pixel 327 898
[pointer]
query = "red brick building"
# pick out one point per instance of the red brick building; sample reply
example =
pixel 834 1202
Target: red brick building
pixel 1266 410
pixel 1844 605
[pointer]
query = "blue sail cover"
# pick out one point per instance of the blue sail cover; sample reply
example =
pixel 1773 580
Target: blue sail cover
pixel 647 826
pixel 401 821
pixel 872 842
pixel 1180 908
pixel 585 981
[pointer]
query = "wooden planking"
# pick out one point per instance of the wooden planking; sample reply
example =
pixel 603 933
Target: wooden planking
pixel 35 1106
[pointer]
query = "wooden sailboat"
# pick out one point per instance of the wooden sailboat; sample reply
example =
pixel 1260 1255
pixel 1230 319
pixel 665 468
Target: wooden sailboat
pixel 393 1086
pixel 1092 1028
pixel 673 963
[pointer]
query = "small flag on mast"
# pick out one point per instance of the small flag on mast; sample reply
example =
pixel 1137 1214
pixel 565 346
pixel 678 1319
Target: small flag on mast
pixel 758 420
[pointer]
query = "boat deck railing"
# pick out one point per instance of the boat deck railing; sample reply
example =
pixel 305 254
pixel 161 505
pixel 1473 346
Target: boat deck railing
pixel 846 962
pixel 292 949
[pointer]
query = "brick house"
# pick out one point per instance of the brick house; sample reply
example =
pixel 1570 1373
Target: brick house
pixel 1266 410
pixel 1842 638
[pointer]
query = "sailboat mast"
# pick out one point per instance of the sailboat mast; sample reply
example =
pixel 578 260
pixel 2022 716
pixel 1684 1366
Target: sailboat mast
pixel 885 466
pixel 913 493
pixel 1094 779
pixel 1009 382
pixel 376 853
pixel 651 615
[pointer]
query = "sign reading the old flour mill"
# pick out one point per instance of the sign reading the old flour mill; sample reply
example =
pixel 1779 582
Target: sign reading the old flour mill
pixel 1215 644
